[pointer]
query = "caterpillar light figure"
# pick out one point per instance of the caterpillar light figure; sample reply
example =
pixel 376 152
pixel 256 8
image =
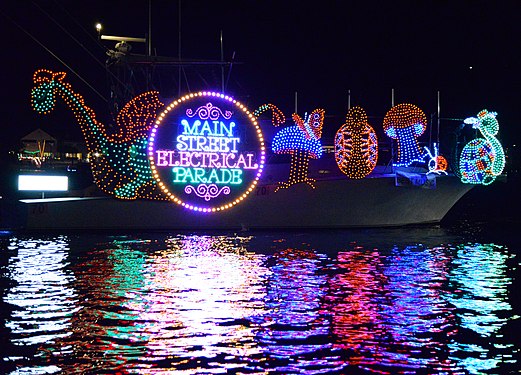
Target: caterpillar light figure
pixel 436 163
pixel 356 145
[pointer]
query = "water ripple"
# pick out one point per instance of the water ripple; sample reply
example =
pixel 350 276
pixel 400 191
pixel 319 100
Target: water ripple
pixel 218 304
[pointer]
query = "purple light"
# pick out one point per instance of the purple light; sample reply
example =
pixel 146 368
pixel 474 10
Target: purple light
pixel 206 152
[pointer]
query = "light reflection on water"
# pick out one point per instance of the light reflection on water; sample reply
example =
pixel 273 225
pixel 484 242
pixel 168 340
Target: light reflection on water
pixel 42 291
pixel 264 303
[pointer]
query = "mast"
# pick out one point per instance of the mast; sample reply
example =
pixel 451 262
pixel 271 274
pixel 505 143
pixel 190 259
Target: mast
pixel 222 65
pixel 392 143
pixel 438 135
pixel 179 48
pixel 133 73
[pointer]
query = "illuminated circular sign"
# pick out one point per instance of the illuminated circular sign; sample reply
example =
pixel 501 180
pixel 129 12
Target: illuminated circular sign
pixel 206 151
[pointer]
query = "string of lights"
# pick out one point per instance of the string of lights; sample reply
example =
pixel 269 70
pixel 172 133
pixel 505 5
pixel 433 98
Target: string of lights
pixel 277 117
pixel 214 159
pixel 436 163
pixel 210 163
pixel 302 142
pixel 482 159
pixel 119 161
pixel 405 123
pixel 356 145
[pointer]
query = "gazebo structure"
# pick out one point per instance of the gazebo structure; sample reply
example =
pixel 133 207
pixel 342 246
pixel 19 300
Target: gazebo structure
pixel 40 142
pixel 38 146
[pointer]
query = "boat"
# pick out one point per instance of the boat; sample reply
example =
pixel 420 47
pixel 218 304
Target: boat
pixel 333 203
pixel 202 162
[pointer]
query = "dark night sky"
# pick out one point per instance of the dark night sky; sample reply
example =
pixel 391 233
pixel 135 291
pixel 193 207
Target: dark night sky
pixel 319 49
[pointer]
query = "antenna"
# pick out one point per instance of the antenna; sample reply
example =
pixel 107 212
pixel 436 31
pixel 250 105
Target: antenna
pixel 229 71
pixel 149 27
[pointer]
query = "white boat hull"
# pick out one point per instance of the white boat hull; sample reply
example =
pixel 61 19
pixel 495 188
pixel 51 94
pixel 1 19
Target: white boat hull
pixel 335 203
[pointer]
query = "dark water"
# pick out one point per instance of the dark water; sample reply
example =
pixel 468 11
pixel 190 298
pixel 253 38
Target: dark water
pixel 416 300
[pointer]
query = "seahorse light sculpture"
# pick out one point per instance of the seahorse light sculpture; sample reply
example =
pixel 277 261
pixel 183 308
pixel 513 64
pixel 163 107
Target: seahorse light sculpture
pixel 119 161
pixel 482 159
pixel 356 145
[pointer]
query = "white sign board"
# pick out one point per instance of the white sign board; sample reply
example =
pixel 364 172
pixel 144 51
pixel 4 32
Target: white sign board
pixel 42 183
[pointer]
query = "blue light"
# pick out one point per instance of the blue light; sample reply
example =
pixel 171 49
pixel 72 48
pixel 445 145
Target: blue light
pixel 405 123
pixel 292 138
pixel 409 150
